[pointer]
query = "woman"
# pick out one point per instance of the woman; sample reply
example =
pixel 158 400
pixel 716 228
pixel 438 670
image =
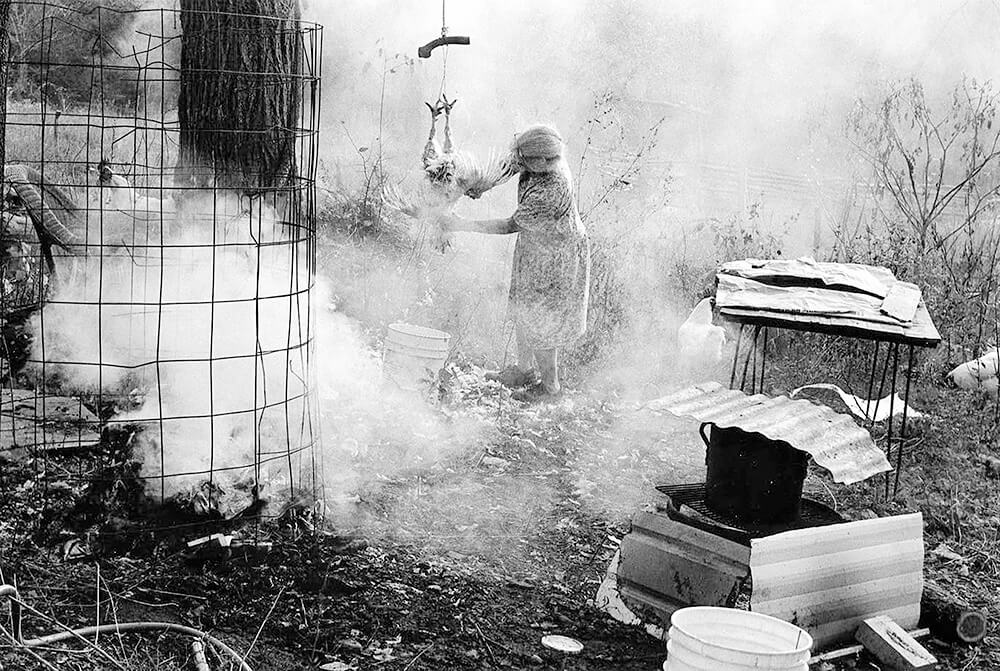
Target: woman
pixel 549 286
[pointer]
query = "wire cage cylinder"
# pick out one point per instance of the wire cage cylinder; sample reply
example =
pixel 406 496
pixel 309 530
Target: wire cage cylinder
pixel 157 275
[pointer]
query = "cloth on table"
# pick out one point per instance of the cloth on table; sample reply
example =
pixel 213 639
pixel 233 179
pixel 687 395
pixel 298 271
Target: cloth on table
pixel 805 271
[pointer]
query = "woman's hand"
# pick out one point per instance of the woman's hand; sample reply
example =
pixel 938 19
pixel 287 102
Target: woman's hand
pixel 441 233
pixel 447 222
pixel 440 240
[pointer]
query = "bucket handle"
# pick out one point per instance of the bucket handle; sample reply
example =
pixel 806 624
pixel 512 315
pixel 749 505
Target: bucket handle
pixel 701 432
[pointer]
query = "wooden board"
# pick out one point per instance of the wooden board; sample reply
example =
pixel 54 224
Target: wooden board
pixel 32 423
pixel 920 333
pixel 21 437
pixel 892 646
pixel 850 650
pixel 32 405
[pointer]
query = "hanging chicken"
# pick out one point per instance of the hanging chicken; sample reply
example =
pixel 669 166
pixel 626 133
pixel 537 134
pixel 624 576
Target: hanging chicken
pixel 447 176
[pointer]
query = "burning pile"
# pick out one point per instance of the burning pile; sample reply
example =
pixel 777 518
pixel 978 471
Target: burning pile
pixel 202 339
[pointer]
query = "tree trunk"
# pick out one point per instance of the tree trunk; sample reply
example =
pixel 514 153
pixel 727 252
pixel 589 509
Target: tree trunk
pixel 240 95
pixel 4 56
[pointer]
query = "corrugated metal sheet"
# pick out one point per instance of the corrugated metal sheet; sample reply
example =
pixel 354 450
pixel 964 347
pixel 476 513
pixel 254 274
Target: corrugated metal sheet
pixel 824 579
pixel 828 579
pixel 665 565
pixel 833 440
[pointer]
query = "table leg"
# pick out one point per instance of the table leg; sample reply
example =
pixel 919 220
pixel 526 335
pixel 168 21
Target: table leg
pixel 751 354
pixel 902 425
pixel 746 363
pixel 871 379
pixel 763 361
pixel 881 385
pixel 894 353
pixel 736 358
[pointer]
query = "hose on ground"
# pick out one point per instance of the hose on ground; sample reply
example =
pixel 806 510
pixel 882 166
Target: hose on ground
pixel 9 592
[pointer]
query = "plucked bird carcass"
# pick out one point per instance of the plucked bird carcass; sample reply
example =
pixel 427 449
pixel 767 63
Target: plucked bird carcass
pixel 699 340
pixel 979 373
pixel 447 175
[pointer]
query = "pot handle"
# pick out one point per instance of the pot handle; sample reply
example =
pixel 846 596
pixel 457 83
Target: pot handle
pixel 701 431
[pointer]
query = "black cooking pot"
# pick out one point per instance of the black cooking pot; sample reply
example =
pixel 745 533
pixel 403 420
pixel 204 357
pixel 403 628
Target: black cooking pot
pixel 752 478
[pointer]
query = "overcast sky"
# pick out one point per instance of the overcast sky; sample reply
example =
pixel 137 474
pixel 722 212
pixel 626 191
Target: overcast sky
pixel 773 70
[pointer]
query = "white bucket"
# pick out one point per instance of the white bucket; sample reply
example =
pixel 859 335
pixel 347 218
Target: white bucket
pixel 414 355
pixel 707 638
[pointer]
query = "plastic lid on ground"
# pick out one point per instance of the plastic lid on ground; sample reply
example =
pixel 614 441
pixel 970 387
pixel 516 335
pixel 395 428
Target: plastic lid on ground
pixel 565 644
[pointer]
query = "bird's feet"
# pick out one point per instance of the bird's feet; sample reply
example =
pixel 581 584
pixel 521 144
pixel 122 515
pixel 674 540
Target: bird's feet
pixel 447 105
pixel 435 109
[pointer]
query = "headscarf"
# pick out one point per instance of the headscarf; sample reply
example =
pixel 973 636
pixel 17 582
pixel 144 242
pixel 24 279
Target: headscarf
pixel 538 142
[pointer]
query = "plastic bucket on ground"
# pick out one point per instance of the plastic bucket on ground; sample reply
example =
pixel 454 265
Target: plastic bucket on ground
pixel 752 478
pixel 414 355
pixel 708 638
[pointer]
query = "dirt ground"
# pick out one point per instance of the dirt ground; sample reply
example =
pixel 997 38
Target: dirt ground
pixel 461 563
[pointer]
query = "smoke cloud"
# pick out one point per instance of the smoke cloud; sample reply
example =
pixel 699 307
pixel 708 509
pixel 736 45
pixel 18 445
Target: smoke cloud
pixel 736 91
pixel 198 328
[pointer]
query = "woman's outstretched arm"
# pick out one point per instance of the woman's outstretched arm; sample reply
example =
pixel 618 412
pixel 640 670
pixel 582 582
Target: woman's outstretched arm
pixel 491 226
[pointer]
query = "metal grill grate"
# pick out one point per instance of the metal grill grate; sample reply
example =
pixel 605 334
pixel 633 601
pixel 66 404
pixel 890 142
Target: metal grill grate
pixel 687 505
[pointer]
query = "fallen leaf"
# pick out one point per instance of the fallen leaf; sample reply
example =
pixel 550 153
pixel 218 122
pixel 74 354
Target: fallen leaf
pixel 944 551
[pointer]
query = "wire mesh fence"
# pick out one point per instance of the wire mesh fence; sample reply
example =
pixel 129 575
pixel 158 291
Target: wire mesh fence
pixel 157 257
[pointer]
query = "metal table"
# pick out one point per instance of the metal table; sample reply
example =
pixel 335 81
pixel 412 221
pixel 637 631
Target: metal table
pixel 754 327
